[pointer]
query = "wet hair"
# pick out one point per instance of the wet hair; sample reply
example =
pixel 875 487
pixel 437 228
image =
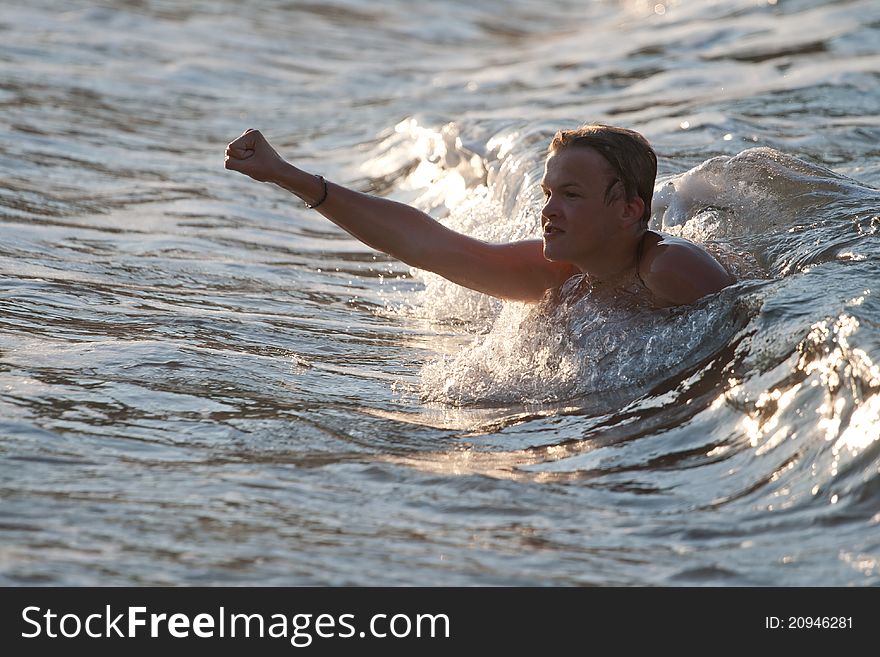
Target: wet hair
pixel 630 156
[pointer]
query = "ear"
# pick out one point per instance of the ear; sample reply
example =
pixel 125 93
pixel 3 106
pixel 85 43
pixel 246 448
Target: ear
pixel 632 211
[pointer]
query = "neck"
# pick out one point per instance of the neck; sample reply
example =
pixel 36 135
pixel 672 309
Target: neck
pixel 617 264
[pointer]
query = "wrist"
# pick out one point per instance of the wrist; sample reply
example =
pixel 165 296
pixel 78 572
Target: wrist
pixel 287 176
pixel 312 189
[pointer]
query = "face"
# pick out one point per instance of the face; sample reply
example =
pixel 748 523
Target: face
pixel 578 225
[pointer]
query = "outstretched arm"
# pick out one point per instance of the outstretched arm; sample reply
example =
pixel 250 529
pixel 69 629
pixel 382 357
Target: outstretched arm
pixel 517 270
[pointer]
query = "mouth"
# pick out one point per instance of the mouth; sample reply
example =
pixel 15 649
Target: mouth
pixel 552 231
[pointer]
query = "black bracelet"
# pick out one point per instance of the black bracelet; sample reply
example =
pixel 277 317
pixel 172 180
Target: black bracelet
pixel 323 197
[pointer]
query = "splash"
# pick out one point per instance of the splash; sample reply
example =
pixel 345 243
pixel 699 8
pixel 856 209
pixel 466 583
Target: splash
pixel 727 197
pixel 751 211
pixel 579 342
pixel 482 185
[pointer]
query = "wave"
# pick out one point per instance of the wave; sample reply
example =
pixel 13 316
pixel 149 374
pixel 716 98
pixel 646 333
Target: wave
pixel 779 371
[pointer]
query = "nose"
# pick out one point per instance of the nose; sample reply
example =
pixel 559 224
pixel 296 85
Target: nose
pixel 549 210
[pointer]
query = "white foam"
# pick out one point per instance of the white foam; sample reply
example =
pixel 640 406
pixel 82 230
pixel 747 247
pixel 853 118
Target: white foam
pixel 578 345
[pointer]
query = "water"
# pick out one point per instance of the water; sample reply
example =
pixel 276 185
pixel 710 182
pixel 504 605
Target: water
pixel 201 382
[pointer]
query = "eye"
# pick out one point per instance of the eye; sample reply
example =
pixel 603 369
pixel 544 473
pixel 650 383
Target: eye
pixel 572 195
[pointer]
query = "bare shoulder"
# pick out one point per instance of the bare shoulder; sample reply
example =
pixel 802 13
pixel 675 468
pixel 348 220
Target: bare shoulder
pixel 678 271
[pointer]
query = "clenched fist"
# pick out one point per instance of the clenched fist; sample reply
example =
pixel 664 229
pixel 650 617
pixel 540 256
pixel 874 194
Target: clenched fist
pixel 252 155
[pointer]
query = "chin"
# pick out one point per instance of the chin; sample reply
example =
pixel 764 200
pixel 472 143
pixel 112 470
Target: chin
pixel 553 254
